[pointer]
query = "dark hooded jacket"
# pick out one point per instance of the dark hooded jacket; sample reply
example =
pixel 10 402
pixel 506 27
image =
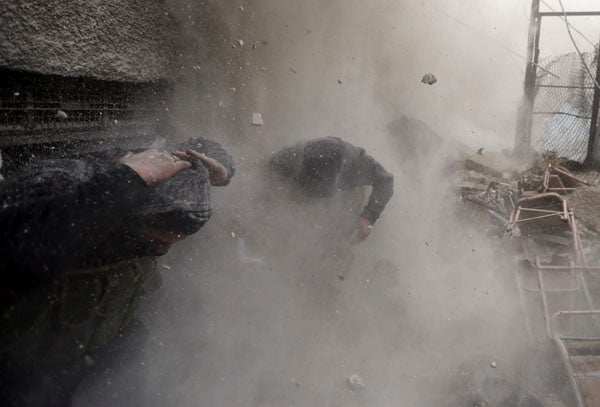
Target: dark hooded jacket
pixel 75 267
pixel 322 166
pixel 61 215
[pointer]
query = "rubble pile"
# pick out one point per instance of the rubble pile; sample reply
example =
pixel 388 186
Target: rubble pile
pixel 550 208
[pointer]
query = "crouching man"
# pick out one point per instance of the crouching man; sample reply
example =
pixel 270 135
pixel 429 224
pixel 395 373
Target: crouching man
pixel 78 240
pixel 323 166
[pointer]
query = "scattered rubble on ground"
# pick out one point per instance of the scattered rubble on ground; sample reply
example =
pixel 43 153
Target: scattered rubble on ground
pixel 550 207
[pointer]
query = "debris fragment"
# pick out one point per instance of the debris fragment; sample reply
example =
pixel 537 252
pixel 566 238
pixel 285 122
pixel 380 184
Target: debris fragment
pixel 480 151
pixel 429 79
pixel 61 114
pixel 257 119
pixel 355 382
pixel 293 70
pixel 339 81
pixel 167 267
pixel 494 365
pixel 240 43
pixel 17 93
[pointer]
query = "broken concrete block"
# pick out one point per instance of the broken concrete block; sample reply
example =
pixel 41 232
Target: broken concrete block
pixel 257 119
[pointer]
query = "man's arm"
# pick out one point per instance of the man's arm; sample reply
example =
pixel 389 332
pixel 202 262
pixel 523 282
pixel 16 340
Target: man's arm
pixel 50 226
pixel 362 169
pixel 383 189
pixel 287 163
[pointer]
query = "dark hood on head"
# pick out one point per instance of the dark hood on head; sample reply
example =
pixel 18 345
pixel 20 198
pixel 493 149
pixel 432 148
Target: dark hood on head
pixel 180 205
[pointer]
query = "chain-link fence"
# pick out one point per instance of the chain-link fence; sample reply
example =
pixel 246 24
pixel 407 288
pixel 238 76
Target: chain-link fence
pixel 562 109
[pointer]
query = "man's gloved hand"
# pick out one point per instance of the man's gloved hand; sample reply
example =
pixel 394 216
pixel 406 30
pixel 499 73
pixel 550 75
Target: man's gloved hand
pixel 363 230
pixel 154 166
pixel 217 173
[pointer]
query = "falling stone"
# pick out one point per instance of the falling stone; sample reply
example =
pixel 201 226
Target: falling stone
pixel 61 115
pixel 339 81
pixel 355 382
pixel 494 364
pixel 240 43
pixel 257 119
pixel 429 79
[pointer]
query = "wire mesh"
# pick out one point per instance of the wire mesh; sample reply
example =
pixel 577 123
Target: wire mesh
pixel 562 109
pixel 37 104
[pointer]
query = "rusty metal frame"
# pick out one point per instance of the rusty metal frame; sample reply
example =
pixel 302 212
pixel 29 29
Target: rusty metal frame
pixel 517 225
pixel 564 353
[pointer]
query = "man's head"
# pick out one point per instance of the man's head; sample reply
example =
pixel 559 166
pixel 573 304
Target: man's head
pixel 322 164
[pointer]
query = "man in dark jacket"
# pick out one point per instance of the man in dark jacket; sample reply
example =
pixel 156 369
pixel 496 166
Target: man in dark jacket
pixel 322 166
pixel 78 240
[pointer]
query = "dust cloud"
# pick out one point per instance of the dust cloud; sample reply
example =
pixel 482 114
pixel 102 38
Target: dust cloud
pixel 269 305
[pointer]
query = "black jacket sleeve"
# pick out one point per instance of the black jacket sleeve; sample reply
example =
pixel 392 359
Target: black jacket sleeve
pixel 383 189
pixel 287 163
pixel 51 230
pixel 361 169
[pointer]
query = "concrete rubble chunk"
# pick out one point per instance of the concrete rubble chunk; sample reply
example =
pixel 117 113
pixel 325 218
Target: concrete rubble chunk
pixel 257 119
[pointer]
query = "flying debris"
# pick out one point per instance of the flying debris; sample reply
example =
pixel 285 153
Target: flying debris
pixel 429 79
pixel 257 119
pixel 355 382
pixel 61 115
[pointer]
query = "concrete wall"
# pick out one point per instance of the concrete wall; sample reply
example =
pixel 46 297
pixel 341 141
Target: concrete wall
pixel 120 40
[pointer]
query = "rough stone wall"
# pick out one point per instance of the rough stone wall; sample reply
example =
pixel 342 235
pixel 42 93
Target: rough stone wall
pixel 120 40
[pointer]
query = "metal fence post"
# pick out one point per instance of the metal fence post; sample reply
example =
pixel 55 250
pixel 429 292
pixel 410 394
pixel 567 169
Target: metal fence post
pixel 595 106
pixel 523 131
